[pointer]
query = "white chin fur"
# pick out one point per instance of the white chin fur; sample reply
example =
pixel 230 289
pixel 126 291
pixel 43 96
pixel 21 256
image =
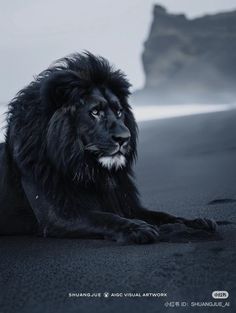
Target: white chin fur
pixel 116 161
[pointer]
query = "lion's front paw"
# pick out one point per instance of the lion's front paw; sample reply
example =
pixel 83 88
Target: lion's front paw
pixel 202 223
pixel 138 232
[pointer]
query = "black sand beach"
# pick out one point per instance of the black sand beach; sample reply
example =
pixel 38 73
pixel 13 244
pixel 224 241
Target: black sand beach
pixel 186 166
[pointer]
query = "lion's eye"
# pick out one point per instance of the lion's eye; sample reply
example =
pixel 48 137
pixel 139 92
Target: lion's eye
pixel 119 113
pixel 95 112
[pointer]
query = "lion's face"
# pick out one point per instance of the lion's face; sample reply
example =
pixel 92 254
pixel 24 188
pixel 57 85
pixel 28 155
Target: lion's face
pixel 102 129
pixel 90 123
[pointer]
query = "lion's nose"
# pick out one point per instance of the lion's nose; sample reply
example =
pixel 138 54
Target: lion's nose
pixel 122 138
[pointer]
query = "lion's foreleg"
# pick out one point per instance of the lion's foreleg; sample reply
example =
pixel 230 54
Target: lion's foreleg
pixel 88 223
pixel 160 218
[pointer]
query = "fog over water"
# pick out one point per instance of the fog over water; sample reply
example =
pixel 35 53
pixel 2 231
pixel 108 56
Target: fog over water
pixel 151 112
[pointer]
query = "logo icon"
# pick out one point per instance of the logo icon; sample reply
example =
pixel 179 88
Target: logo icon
pixel 106 294
pixel 220 294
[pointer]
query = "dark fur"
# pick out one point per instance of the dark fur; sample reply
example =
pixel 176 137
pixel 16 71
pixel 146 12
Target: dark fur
pixel 52 183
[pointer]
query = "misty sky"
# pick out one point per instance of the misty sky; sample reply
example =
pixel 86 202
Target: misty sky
pixel 34 33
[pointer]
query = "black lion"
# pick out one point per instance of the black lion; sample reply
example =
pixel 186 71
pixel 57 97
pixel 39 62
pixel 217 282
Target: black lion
pixel 66 165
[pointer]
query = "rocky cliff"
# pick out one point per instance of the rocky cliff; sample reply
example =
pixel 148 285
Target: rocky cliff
pixel 190 59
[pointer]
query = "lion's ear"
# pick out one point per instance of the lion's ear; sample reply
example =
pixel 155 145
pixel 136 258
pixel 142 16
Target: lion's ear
pixel 57 88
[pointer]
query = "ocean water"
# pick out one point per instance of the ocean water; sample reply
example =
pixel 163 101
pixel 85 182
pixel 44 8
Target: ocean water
pixel 151 112
pixel 147 113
